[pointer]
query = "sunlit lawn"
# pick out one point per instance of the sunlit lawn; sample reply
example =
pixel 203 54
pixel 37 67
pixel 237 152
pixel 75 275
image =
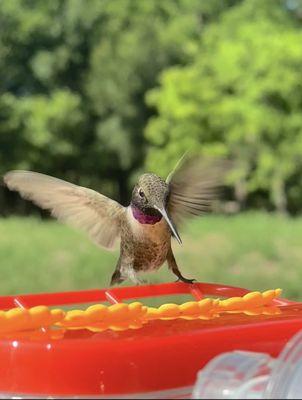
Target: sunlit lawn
pixel 256 251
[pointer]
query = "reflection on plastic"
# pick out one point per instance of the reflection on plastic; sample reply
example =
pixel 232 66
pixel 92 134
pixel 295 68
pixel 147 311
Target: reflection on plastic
pixel 248 375
pixel 232 375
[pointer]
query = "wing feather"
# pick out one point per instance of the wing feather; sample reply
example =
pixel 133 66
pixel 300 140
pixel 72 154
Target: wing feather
pixel 194 185
pixel 83 208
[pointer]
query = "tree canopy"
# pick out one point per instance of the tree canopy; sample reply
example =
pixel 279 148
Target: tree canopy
pixel 97 91
pixel 240 96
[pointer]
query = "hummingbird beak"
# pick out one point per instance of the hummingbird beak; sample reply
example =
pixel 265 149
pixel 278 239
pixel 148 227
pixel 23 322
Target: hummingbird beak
pixel 170 223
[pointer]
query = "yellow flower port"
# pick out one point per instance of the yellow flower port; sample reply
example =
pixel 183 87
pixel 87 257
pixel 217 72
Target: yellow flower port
pixel 122 316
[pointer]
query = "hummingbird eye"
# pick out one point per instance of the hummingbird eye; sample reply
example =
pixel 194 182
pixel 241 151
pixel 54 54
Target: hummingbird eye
pixel 141 193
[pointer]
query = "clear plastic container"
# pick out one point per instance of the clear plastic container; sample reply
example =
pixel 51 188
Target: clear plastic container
pixel 286 378
pixel 249 375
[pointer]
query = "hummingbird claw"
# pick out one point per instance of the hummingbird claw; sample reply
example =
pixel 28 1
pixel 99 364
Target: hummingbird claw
pixel 189 281
pixel 139 282
pixel 116 278
pixel 185 280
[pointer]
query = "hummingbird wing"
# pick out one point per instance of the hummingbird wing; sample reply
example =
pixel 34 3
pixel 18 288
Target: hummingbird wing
pixel 81 207
pixel 194 184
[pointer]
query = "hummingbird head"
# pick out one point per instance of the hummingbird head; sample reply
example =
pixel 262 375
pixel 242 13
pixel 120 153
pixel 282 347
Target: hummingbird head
pixel 150 198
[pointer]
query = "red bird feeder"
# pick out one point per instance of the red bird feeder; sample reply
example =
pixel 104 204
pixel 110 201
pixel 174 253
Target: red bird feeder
pixel 162 356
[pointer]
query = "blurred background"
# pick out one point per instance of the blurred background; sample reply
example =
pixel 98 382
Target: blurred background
pixel 98 91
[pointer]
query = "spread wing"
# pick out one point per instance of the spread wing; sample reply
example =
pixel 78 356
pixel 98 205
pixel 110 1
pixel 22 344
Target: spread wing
pixel 194 185
pixel 83 208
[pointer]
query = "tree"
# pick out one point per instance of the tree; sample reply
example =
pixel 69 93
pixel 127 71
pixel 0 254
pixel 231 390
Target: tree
pixel 75 74
pixel 241 97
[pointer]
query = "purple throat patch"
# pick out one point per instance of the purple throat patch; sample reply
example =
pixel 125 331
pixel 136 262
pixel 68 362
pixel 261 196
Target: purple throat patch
pixel 143 218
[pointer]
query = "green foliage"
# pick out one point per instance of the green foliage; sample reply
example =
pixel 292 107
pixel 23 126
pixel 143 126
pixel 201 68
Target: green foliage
pixel 74 76
pixel 90 89
pixel 241 97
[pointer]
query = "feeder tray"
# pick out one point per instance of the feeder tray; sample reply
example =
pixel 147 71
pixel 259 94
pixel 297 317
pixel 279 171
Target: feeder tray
pixel 126 348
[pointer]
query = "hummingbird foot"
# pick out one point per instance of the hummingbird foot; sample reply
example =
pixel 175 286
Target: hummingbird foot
pixel 173 266
pixel 185 280
pixel 133 276
pixel 116 278
pixel 139 281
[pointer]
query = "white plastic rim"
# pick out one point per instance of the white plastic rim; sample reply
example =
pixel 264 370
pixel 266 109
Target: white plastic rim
pixel 178 393
pixel 232 375
pixel 249 375
pixel 286 379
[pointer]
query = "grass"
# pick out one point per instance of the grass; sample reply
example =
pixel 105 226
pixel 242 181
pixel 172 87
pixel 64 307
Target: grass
pixel 254 250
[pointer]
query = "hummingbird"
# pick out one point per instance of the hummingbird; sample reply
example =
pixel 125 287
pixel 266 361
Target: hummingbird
pixel 145 227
